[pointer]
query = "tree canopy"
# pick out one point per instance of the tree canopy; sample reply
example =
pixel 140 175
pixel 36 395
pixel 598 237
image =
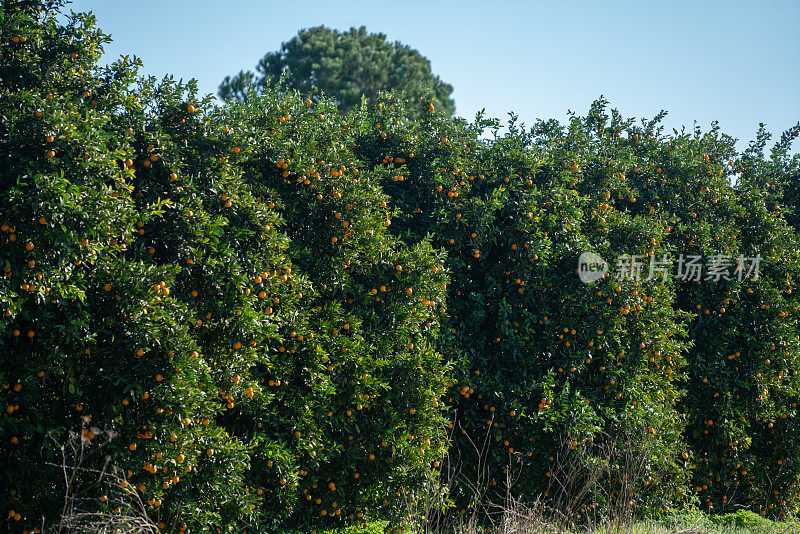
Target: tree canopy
pixel 165 342
pixel 344 66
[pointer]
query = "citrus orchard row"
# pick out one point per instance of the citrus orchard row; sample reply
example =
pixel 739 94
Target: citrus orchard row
pixel 271 314
pixel 704 373
pixel 232 365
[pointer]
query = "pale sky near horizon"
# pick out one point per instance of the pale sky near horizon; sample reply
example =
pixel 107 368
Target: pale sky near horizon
pixel 735 61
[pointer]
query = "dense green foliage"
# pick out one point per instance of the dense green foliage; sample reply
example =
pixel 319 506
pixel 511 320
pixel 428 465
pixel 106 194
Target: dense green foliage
pixel 98 336
pixel 344 66
pixel 232 365
pixel 742 379
pixel 273 315
pixel 550 373
pixel 380 431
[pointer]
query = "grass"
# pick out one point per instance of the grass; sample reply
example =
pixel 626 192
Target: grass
pixel 695 522
pixel 741 522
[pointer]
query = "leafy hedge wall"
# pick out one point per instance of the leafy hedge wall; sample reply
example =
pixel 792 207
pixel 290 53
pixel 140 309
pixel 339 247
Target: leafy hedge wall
pixel 226 350
pixel 270 314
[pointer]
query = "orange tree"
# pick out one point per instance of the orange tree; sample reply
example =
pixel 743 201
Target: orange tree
pixel 373 443
pixel 777 176
pixel 742 368
pixel 551 374
pixel 151 302
pixel 125 314
pixel 609 185
pixel 233 276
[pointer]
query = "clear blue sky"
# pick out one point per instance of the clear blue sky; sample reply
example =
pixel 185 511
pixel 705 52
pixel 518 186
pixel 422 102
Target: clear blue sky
pixel 734 61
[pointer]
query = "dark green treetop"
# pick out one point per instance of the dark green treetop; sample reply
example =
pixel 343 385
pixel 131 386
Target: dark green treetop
pixel 344 66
